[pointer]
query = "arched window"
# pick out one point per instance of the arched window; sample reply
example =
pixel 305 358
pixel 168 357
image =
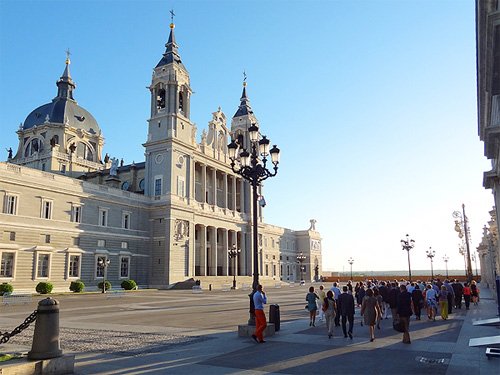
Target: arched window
pixel 160 99
pixel 84 151
pixel 35 145
pixel 181 101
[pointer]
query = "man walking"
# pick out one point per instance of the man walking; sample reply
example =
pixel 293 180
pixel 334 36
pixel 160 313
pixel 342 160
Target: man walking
pixel 336 294
pixel 384 292
pixel 346 307
pixel 259 300
pixel 458 289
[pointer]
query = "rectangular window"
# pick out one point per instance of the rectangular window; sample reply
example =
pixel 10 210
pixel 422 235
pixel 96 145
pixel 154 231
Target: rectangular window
pixel 158 186
pixel 7 265
pixel 10 205
pixel 267 270
pixel 124 245
pixel 63 168
pixel 12 236
pixel 46 209
pixel 124 267
pixel 43 265
pixel 74 266
pixel 76 241
pixel 47 238
pixel 126 220
pixel 103 217
pixel 101 243
pixel 76 214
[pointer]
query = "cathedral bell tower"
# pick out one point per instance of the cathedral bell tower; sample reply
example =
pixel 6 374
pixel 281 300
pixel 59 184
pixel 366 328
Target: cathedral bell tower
pixel 169 123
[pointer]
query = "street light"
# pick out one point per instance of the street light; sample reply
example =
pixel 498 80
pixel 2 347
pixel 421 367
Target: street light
pixel 233 253
pixel 446 259
pixel 461 226
pixel 431 254
pixel 103 263
pixel 301 258
pixel 407 245
pixel 350 261
pixel 252 167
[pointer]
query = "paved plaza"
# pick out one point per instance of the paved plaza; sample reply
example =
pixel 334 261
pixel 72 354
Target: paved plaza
pixel 178 332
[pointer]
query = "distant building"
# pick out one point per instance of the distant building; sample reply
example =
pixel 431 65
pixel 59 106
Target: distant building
pixel 66 209
pixel 488 108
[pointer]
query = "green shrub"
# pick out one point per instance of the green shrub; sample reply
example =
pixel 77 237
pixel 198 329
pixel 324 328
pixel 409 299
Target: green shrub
pixel 44 287
pixel 77 286
pixel 5 288
pixel 108 285
pixel 129 284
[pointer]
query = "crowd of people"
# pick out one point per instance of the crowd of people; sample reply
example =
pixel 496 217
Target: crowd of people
pixel 379 300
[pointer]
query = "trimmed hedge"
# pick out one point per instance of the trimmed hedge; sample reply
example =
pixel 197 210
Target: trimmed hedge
pixel 108 285
pixel 77 286
pixel 6 288
pixel 44 287
pixel 129 284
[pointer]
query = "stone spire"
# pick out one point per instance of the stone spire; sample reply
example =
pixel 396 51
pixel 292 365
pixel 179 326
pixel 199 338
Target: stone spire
pixel 65 84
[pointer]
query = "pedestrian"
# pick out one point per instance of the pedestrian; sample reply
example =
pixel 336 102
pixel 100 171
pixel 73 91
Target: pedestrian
pixel 450 295
pixel 361 294
pixel 384 292
pixel 370 310
pixel 330 309
pixel 474 292
pixel 467 295
pixel 404 312
pixel 346 308
pixel 393 300
pixel 311 306
pixel 431 300
pixel 418 301
pixel 380 301
pixel 443 302
pixel 322 296
pixel 259 300
pixel 336 293
pixel 458 290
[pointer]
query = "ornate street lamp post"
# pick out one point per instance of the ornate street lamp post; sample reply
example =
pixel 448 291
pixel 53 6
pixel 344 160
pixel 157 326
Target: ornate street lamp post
pixel 301 258
pixel 407 245
pixel 232 254
pixel 103 263
pixel 252 167
pixel 446 259
pixel 431 254
pixel 350 261
pixel 462 227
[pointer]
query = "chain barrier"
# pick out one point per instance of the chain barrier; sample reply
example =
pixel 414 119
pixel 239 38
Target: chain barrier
pixel 5 336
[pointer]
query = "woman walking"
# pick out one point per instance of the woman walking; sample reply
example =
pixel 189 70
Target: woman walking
pixel 380 301
pixel 443 302
pixel 474 292
pixel 329 307
pixel 321 300
pixel 431 299
pixel 370 310
pixel 311 298
pixel 467 294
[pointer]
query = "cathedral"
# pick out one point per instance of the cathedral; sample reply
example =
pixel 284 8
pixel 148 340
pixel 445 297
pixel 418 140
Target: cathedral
pixel 71 213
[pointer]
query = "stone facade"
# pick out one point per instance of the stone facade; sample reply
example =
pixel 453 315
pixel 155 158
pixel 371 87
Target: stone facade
pixel 488 97
pixel 169 218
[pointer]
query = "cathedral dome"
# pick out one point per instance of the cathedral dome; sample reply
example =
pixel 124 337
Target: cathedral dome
pixel 62 111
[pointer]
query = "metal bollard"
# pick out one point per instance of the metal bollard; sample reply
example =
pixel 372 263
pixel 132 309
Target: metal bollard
pixel 46 337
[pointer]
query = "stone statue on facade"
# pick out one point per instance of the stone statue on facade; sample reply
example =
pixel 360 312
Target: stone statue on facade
pixel 313 224
pixel 9 151
pixel 114 167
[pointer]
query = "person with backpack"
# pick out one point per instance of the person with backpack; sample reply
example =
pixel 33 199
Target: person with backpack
pixel 330 309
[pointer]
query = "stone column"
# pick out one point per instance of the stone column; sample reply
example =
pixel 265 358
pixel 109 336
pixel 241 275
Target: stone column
pixel 203 250
pixel 225 257
pixel 225 191
pixel 214 186
pixel 233 188
pixel 213 252
pixel 204 183
pixel 242 195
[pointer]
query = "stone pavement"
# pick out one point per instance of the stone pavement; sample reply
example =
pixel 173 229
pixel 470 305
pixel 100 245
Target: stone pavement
pixel 439 347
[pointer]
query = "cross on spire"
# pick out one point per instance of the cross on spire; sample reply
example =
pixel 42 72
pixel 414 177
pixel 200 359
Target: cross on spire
pixel 244 78
pixel 172 15
pixel 68 53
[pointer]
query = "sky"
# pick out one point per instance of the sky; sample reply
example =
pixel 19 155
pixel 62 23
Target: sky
pixel 372 103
